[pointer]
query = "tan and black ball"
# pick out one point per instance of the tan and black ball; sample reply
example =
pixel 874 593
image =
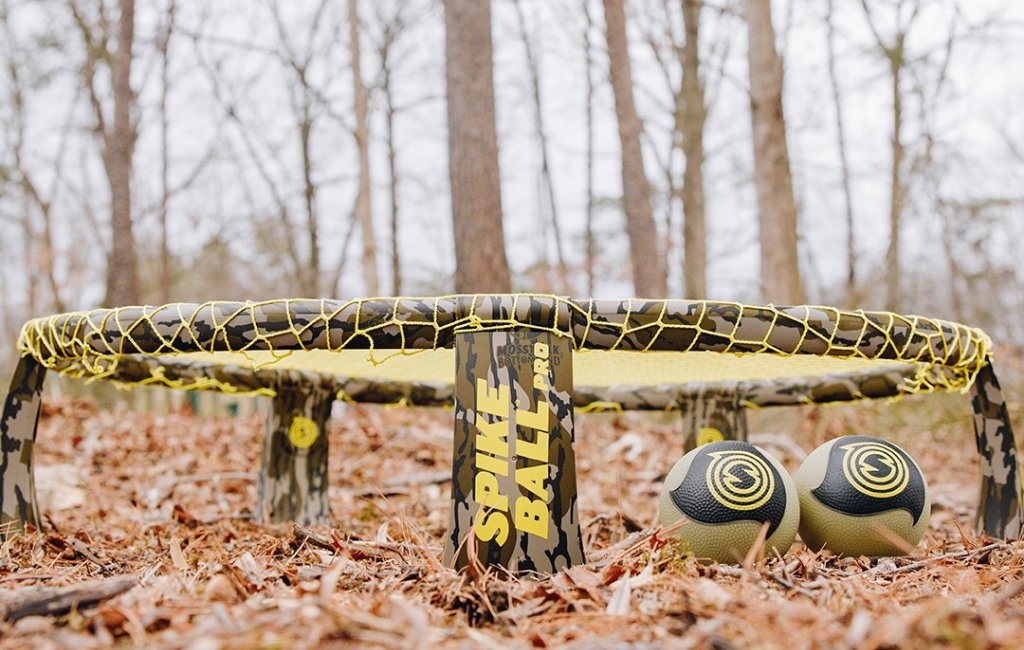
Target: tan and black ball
pixel 861 495
pixel 726 491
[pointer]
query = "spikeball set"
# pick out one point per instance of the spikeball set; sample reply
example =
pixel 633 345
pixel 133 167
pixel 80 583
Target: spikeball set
pixel 515 368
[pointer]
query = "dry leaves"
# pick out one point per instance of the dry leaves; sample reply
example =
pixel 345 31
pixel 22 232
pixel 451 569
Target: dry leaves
pixel 169 498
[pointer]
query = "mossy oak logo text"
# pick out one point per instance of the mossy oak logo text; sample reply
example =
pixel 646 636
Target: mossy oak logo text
pixel 739 480
pixel 881 474
pixel 529 512
pixel 303 432
pixel 874 469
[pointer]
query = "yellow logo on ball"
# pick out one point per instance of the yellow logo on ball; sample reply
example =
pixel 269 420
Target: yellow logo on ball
pixel 303 432
pixel 728 476
pixel 874 469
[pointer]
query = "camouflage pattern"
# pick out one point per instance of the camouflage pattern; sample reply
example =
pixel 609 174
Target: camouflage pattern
pixel 96 338
pixel 18 504
pixel 875 383
pixel 999 513
pixel 182 372
pixel 713 416
pixel 293 479
pixel 141 345
pixel 499 445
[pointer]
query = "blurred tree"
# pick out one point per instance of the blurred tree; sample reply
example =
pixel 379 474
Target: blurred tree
pixel 164 48
pixel 117 139
pixel 542 139
pixel 588 59
pixel 392 25
pixel 894 51
pixel 37 244
pixel 480 261
pixel 780 270
pixel 673 32
pixel 645 254
pixel 364 205
pixel 693 115
pixel 833 76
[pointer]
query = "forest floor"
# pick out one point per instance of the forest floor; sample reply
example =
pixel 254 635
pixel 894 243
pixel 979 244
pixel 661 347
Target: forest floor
pixel 166 500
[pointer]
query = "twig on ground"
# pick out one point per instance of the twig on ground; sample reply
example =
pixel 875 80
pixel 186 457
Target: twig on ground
pixel 82 549
pixel 54 601
pixel 887 571
pixel 303 534
pixel 21 578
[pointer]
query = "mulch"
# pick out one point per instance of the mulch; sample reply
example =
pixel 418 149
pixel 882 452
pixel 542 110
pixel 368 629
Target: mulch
pixel 149 541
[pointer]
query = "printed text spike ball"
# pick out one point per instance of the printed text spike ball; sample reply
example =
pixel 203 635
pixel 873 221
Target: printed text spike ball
pixel 861 495
pixel 726 491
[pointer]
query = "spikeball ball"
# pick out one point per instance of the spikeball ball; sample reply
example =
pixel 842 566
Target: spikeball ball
pixel 861 495
pixel 726 491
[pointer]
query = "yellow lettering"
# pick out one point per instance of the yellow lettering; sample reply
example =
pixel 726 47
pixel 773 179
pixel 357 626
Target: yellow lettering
pixel 540 366
pixel 532 478
pixel 492 400
pixel 540 382
pixel 492 437
pixel 537 451
pixel 487 525
pixel 485 492
pixel 540 349
pixel 539 419
pixel 532 516
pixel 491 464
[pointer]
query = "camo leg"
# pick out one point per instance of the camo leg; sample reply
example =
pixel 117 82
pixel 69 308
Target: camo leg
pixel 709 416
pixel 999 513
pixel 17 437
pixel 514 499
pixel 293 479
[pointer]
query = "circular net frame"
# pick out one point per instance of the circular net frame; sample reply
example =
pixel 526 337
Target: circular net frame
pixel 401 348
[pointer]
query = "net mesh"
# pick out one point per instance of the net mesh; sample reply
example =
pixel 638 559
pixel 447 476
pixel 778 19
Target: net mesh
pixel 643 342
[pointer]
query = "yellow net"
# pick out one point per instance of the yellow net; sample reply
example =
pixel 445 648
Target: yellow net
pixel 617 343
pixel 590 367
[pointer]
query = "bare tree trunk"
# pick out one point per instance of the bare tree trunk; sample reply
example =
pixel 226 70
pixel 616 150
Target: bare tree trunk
pixel 833 75
pixel 780 270
pixel 894 52
pixel 165 145
pixel 32 272
pixel 38 255
pixel 892 255
pixel 123 265
pixel 390 33
pixel 364 207
pixel 694 116
pixel 542 137
pixel 588 53
pixel 396 260
pixel 311 276
pixel 648 274
pixel 481 263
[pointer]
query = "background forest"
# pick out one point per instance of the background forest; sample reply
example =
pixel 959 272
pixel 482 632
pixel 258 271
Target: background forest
pixel 860 153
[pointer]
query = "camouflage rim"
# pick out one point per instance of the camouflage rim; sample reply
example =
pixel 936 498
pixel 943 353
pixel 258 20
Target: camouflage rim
pixel 887 381
pixel 946 355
